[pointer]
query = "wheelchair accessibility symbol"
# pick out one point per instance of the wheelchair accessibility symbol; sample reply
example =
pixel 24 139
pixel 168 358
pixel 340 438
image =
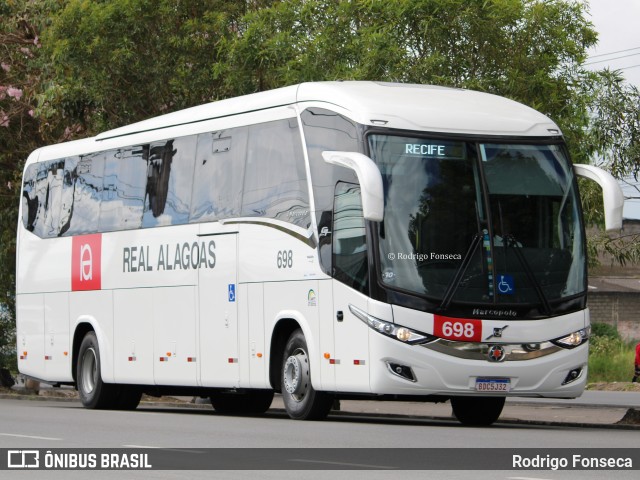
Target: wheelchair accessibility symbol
pixel 505 285
pixel 232 292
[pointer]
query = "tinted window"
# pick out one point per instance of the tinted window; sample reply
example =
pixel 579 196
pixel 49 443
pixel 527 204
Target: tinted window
pixel 275 184
pixel 349 237
pixel 83 176
pixel 326 130
pixel 42 194
pixel 123 190
pixel 169 177
pixel 219 173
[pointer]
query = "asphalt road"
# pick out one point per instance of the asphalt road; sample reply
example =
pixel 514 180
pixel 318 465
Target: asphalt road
pixel 51 425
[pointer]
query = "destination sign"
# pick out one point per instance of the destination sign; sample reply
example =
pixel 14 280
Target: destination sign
pixel 451 150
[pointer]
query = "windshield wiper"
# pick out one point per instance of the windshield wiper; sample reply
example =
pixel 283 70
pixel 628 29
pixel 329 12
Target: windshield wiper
pixel 510 241
pixel 455 281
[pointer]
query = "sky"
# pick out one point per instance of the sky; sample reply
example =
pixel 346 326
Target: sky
pixel 617 23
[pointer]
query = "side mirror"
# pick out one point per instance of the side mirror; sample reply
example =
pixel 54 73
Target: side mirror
pixel 369 177
pixel 611 194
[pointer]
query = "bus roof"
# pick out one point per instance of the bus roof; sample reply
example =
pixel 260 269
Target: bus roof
pixel 425 108
pixel 414 107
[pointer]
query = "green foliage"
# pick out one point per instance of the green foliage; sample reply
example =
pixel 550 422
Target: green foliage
pixel 610 356
pixel 112 63
pixel 615 124
pixel 610 359
pixel 7 340
pixel 604 330
pixel 20 73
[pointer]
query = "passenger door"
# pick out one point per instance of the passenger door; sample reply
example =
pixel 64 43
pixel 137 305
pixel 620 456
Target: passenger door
pixel 218 338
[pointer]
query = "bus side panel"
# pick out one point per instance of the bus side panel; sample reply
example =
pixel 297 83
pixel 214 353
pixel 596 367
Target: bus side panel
pixel 297 301
pixel 326 321
pixel 174 336
pixel 44 265
pixel 351 341
pixel 57 353
pixel 258 369
pixel 96 308
pixel 30 335
pixel 133 336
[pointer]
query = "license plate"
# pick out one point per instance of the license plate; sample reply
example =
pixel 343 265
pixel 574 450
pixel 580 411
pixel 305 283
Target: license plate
pixel 493 384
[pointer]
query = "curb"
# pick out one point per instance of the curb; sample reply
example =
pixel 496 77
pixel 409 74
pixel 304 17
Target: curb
pixel 386 416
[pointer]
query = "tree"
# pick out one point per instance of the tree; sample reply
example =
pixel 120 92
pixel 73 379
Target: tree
pixel 20 24
pixel 613 137
pixel 113 63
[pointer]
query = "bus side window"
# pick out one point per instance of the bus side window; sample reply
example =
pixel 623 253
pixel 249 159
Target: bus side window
pixel 275 184
pixel 327 130
pixel 169 178
pixel 349 238
pixel 29 198
pixel 42 195
pixel 218 176
pixel 83 177
pixel 122 191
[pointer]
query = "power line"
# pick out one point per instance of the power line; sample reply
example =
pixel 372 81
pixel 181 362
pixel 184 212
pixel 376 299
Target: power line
pixel 612 59
pixel 613 53
pixel 631 66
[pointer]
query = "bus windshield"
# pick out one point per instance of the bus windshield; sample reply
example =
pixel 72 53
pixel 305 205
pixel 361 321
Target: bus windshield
pixel 479 223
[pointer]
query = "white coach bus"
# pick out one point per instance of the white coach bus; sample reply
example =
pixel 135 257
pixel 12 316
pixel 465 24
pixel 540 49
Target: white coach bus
pixel 324 240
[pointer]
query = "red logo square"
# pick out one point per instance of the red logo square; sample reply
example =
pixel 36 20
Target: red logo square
pixel 86 265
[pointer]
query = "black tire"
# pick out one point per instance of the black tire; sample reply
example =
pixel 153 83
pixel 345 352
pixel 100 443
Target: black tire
pixel 128 398
pixel 253 402
pixel 301 400
pixel 477 411
pixel 94 393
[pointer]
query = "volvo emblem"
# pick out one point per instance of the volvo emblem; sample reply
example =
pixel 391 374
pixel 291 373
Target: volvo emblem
pixel 497 332
pixel 496 353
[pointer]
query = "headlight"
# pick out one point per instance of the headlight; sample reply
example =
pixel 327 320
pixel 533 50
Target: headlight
pixel 402 334
pixel 574 339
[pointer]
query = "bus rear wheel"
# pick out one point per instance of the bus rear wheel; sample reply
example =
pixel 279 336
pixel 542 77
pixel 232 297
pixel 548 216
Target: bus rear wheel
pixel 128 397
pixel 253 402
pixel 301 400
pixel 477 411
pixel 94 393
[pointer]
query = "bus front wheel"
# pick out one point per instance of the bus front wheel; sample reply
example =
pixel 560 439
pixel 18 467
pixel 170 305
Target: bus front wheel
pixel 477 411
pixel 301 400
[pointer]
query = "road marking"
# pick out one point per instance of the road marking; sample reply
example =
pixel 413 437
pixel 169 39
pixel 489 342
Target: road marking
pixel 526 478
pixel 360 465
pixel 28 436
pixel 185 450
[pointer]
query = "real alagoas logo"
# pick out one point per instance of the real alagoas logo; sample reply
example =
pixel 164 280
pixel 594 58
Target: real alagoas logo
pixel 86 265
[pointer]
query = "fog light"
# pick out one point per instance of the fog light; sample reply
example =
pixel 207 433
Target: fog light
pixel 572 376
pixel 401 371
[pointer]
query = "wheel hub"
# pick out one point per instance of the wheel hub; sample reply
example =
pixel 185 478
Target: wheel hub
pixel 89 370
pixel 296 376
